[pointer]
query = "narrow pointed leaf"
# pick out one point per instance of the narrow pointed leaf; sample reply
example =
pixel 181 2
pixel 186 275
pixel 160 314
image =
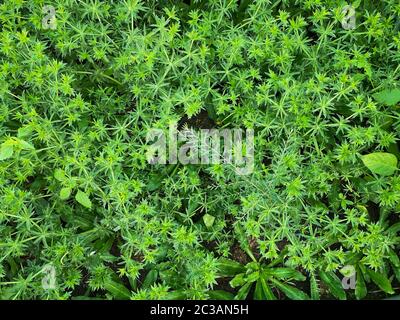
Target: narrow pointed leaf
pixel 117 290
pixel 361 288
pixel 221 295
pixel 290 291
pixel 381 281
pixel 334 284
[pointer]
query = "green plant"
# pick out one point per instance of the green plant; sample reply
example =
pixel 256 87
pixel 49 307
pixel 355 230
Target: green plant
pixel 264 276
pixel 77 192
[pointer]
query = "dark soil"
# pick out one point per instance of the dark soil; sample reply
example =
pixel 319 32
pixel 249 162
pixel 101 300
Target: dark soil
pixel 199 121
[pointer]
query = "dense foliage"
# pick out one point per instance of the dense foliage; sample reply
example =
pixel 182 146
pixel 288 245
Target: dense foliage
pixel 77 193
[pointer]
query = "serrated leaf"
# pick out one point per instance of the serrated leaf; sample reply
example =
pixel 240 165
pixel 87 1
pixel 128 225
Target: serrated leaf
pixel 6 151
pixel 208 220
pixel 83 199
pixel 381 281
pixel 59 175
pixel 25 145
pixel 65 193
pixel 381 163
pixel 314 288
pixel 388 97
pixel 24 131
pixel 334 284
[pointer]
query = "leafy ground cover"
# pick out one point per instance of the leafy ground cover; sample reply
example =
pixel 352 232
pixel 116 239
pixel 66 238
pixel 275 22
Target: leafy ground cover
pixel 78 196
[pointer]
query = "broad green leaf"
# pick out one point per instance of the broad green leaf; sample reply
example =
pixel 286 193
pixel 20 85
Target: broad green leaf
pixel 86 298
pixel 133 282
pixel 155 179
pixel 151 278
pixel 394 228
pixel 211 111
pixel 229 268
pixel 208 220
pixel 238 280
pixel 253 276
pixel 24 132
pixel 389 97
pixel 356 4
pixel 381 281
pixel 192 207
pixel 154 182
pixel 394 149
pixel 364 272
pixel 103 246
pixel 394 258
pixel 267 290
pixel 118 290
pixel 25 145
pixel 6 151
pixel 361 288
pixel 285 273
pixel 243 292
pixel 176 295
pixel 9 292
pixel 396 271
pixel 65 193
pixel 13 266
pixel 290 291
pixel 259 292
pixel 221 295
pixel 381 163
pixel 83 220
pixel 334 284
pixel 83 199
pixel 59 175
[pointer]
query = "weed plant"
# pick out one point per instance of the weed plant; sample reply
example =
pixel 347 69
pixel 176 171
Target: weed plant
pixel 77 193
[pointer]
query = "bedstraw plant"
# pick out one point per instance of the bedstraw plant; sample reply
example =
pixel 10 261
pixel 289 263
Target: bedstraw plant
pixel 78 195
